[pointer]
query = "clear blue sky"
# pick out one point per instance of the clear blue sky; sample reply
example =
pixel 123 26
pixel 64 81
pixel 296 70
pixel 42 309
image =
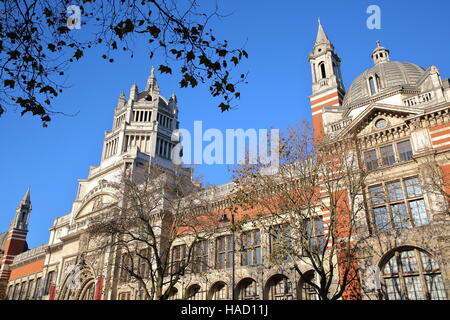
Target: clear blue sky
pixel 278 36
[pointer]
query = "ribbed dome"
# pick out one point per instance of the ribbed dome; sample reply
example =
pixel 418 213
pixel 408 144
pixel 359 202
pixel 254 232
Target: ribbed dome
pixel 392 74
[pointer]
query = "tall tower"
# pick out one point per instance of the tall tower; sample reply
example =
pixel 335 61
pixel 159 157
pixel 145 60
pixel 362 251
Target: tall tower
pixel 327 86
pixel 16 237
pixel 144 123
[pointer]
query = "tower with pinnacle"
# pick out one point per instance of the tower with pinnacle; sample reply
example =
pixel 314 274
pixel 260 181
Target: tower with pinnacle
pixel 327 85
pixel 14 242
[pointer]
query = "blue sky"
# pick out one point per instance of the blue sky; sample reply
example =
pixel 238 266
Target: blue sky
pixel 278 39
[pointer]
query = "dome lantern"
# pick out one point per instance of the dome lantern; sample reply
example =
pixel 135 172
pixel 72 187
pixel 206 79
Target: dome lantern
pixel 380 54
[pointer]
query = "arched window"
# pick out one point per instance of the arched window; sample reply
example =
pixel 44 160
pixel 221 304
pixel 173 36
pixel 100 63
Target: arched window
pixel 378 82
pixel 372 86
pixel 322 70
pixel 412 274
pixel 219 291
pixel 308 292
pixel 248 289
pixel 173 294
pixel 279 288
pixel 194 293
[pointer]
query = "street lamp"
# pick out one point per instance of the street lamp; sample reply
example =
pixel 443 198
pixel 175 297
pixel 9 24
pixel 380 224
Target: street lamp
pixel 224 218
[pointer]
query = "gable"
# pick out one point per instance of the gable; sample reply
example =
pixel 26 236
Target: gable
pixel 378 117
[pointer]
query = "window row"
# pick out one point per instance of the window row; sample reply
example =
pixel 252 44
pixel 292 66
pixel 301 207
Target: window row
pixel 140 141
pixel 164 148
pixel 119 120
pixel 141 116
pixel 164 121
pixel 249 248
pixel 31 289
pixel 277 287
pixel 111 147
pixel 388 155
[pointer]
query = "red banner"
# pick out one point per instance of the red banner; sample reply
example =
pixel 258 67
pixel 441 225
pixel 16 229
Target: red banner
pixel 99 288
pixel 52 293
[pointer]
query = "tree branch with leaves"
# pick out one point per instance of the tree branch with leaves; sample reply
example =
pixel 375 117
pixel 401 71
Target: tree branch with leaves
pixel 39 43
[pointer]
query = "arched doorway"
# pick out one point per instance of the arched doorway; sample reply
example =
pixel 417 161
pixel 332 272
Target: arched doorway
pixel 279 287
pixel 410 273
pixel 248 289
pixel 79 284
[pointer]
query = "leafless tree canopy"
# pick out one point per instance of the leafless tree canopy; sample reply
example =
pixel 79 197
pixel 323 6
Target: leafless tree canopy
pixel 312 206
pixel 155 228
pixel 39 42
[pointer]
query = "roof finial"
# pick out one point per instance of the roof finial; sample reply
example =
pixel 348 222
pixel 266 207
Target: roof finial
pixel 152 85
pixel 378 43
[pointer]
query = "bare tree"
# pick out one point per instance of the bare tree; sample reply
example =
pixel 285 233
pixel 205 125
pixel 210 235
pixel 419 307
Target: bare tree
pixel 437 180
pixel 313 208
pixel 39 39
pixel 156 229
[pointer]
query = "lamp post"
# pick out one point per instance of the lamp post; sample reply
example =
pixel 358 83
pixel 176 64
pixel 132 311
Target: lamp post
pixel 224 218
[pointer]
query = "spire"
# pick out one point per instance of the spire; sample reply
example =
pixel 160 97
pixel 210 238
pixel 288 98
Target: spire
pixel 321 35
pixel 22 212
pixel 26 197
pixel 380 54
pixel 152 85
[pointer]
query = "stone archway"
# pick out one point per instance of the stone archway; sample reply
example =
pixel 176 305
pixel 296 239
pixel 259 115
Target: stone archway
pixel 279 287
pixel 79 283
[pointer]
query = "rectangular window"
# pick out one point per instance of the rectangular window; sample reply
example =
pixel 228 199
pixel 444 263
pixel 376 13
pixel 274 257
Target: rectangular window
pixel 144 267
pixel 413 188
pixel 404 151
pixel 387 155
pixel 224 252
pixel 251 248
pixel 377 195
pixel 395 191
pixel 419 214
pixel 30 290
pixel 398 201
pixel 49 282
pixel 400 215
pixel 371 159
pixel 178 258
pixel 315 233
pixel 382 222
pixel 125 267
pixel 281 242
pixel 36 293
pixel 200 261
